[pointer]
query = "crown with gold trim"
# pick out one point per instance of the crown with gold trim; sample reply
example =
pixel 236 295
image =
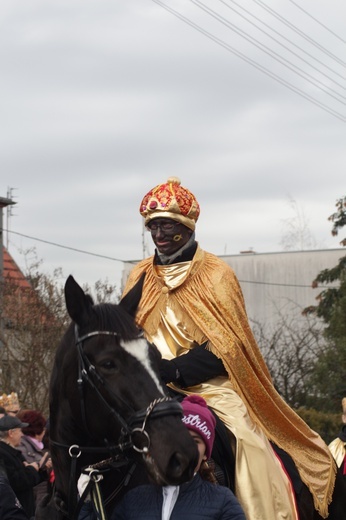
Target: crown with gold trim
pixel 171 200
pixel 10 402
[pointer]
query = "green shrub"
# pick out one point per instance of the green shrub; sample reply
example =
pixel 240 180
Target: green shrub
pixel 327 425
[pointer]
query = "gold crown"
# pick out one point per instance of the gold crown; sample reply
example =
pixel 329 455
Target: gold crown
pixel 10 402
pixel 171 200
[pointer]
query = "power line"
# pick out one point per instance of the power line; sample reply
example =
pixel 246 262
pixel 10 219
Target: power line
pixel 298 31
pixel 317 21
pixel 135 262
pixel 291 66
pixel 65 247
pixel 242 56
pixel 285 39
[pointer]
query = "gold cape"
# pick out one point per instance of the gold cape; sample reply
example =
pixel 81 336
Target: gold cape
pixel 221 317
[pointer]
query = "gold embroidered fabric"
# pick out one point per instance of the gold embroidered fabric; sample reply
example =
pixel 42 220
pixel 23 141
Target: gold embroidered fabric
pixel 213 307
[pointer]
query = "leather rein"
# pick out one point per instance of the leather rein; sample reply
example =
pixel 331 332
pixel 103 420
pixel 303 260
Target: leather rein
pixel 136 424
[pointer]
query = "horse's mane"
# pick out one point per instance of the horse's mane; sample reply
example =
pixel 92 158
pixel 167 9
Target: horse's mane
pixel 113 317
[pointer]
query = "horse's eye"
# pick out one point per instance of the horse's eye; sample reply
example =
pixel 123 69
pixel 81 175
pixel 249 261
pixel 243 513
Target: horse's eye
pixel 109 365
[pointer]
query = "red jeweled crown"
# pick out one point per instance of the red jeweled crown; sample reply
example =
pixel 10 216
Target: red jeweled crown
pixel 171 200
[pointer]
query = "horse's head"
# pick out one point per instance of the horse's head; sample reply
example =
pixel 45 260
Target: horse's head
pixel 106 390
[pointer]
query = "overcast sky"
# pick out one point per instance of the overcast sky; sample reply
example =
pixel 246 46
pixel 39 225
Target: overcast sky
pixel 103 100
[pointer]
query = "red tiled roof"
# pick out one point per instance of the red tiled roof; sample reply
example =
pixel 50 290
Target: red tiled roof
pixel 12 272
pixel 18 285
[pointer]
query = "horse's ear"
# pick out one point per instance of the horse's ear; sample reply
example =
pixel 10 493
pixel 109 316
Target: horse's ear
pixel 78 303
pixel 131 300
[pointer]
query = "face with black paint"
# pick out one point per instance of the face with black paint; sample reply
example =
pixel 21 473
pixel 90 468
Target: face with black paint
pixel 168 235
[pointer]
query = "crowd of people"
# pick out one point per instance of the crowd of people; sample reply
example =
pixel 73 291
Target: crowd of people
pixel 25 467
pixel 25 464
pixel 193 310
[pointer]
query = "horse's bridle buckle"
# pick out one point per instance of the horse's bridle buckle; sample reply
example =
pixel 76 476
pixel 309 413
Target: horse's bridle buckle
pixel 74 455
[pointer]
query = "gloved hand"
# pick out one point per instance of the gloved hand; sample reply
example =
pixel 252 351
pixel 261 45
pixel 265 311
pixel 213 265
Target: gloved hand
pixel 169 371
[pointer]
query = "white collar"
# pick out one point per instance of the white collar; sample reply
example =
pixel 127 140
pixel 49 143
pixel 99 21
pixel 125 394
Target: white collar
pixel 170 495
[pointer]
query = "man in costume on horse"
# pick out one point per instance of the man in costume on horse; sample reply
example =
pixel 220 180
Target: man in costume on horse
pixel 192 309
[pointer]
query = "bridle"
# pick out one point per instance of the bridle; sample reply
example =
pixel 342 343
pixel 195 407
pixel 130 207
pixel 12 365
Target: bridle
pixel 87 373
pixel 136 424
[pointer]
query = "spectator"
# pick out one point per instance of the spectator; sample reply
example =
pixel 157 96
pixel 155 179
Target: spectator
pixel 21 475
pixel 33 450
pixel 2 413
pixel 198 499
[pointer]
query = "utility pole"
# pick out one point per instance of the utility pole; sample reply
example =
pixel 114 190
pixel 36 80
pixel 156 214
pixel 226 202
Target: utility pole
pixel 9 213
pixel 4 203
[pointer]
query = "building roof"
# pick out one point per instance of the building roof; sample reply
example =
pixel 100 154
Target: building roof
pixel 11 271
pixel 21 297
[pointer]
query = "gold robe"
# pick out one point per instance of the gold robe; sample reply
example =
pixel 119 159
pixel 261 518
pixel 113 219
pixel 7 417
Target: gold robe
pixel 204 301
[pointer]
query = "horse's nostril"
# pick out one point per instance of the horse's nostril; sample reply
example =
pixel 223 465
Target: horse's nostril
pixel 176 462
pixel 180 467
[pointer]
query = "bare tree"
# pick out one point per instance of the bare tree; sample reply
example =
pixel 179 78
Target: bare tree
pixel 35 319
pixel 297 235
pixel 290 352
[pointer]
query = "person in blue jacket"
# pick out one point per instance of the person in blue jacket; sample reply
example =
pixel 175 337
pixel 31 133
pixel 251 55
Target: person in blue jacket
pixel 199 499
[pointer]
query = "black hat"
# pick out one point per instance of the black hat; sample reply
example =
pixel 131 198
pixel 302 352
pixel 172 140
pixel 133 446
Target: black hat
pixel 9 422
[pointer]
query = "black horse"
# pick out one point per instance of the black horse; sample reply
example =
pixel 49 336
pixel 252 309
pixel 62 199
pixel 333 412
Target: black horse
pixel 108 408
